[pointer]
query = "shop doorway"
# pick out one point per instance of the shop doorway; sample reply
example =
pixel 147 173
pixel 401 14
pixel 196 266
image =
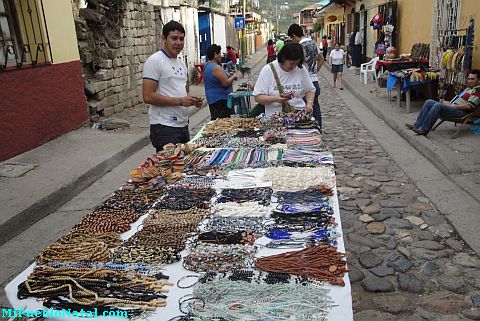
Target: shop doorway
pixel 363 30
pixel 204 32
pixel 389 14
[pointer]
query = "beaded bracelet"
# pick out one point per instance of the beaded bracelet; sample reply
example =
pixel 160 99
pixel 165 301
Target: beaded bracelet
pixel 186 277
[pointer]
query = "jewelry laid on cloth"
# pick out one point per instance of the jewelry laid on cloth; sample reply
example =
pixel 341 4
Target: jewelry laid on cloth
pixel 262 195
pixel 322 263
pixel 233 209
pixel 145 254
pixel 80 246
pixel 168 231
pixel 232 224
pixel 105 220
pixel 243 301
pixel 154 270
pixel 227 126
pixel 180 198
pixel 136 200
pixel 298 178
pixel 218 257
pixel 231 142
pixel 94 288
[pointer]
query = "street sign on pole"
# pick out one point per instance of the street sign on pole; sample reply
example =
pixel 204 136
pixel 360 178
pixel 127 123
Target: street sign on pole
pixel 240 23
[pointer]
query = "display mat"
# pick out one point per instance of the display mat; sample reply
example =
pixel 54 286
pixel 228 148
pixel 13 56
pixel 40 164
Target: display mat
pixel 340 311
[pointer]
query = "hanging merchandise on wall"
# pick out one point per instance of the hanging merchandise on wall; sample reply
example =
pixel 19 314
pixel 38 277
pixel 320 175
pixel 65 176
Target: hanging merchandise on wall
pixel 456 59
pixel 388 31
pixel 377 21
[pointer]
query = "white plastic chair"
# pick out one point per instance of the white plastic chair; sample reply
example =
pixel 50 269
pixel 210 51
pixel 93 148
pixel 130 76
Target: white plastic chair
pixel 368 67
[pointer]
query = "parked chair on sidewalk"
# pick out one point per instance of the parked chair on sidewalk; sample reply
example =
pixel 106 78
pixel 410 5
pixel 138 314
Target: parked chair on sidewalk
pixel 465 120
pixel 368 67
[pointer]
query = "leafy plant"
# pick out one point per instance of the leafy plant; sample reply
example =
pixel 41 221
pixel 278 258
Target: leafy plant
pixel 317 27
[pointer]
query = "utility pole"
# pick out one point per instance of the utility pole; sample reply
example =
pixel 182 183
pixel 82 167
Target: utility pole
pixel 276 16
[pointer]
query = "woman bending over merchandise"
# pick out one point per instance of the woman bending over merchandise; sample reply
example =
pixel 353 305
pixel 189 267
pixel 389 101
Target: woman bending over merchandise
pixel 285 82
pixel 218 84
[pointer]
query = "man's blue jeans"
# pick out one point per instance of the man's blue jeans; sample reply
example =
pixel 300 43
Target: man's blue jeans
pixel 317 114
pixel 230 66
pixel 432 110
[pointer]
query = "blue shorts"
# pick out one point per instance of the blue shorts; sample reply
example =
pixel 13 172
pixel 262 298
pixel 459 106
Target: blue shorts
pixel 337 68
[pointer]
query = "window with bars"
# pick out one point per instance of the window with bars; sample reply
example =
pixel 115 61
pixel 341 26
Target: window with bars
pixel 8 41
pixel 23 34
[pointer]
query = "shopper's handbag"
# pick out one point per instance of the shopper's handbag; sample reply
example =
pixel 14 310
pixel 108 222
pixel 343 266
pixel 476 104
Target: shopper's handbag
pixel 286 108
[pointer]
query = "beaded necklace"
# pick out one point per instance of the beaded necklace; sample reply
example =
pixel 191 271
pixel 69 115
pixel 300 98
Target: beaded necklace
pixel 245 301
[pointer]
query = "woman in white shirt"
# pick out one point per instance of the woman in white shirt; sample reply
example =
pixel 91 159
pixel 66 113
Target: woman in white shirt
pixel 294 79
pixel 336 61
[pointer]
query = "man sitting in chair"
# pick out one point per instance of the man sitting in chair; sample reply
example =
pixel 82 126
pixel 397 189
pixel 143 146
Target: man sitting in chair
pixel 464 103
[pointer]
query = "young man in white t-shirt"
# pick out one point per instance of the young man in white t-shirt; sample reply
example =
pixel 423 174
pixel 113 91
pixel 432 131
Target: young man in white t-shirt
pixel 164 90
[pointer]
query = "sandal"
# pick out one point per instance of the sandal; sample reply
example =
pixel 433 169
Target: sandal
pixel 174 177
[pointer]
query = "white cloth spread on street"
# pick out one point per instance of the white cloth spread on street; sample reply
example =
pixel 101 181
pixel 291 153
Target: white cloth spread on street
pixel 171 75
pixel 296 80
pixel 337 56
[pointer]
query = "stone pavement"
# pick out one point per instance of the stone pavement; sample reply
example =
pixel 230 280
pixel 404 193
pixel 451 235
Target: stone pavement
pixel 406 261
pixel 36 183
pixel 457 159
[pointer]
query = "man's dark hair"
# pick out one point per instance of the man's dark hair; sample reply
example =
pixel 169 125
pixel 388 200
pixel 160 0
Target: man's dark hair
pixel 212 50
pixel 228 47
pixel 476 72
pixel 291 51
pixel 172 25
pixel 295 30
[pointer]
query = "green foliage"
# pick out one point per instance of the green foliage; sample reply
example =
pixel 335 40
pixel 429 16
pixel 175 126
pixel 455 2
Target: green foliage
pixel 317 26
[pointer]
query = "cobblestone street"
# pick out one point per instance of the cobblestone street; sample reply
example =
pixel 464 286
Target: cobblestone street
pixel 406 261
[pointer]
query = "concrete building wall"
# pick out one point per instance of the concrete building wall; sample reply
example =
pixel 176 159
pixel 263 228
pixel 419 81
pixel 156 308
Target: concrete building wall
pixel 189 19
pixel 63 40
pixel 414 23
pixel 219 35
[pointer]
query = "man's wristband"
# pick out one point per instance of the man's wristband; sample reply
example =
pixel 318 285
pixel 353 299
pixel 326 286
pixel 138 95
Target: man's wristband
pixel 180 101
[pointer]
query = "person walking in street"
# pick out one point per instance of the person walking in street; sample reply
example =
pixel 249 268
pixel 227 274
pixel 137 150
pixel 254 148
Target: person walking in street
pixel 218 84
pixel 271 56
pixel 468 101
pixel 231 59
pixel 164 90
pixel 329 45
pixel 279 45
pixel 293 78
pixel 324 47
pixel 313 62
pixel 336 61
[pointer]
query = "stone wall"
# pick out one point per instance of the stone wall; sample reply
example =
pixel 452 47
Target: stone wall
pixel 112 50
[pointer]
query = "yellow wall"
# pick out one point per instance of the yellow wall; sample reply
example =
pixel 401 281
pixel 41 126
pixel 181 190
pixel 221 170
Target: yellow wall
pixel 335 11
pixel 472 8
pixel 61 30
pixel 414 23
